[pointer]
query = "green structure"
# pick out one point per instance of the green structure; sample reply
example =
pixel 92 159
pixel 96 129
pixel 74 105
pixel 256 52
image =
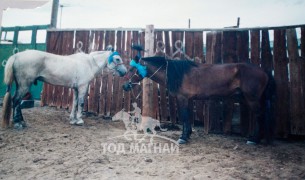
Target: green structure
pixel 8 47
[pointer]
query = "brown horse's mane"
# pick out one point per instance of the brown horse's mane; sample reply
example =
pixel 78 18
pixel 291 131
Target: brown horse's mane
pixel 176 69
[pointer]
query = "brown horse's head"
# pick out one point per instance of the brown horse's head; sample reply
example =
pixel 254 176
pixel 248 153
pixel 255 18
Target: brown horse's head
pixel 151 67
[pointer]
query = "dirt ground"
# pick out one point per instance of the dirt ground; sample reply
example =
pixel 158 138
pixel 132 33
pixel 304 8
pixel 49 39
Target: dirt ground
pixel 51 148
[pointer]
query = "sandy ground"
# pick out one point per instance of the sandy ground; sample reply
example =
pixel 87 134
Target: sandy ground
pixel 50 148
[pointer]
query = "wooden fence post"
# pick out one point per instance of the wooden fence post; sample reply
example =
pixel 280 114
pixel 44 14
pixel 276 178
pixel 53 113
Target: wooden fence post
pixel 296 91
pixel 147 106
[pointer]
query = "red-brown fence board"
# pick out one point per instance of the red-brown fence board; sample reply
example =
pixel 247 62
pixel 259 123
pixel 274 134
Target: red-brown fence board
pixel 266 54
pixel 67 50
pixel 83 36
pixel 120 49
pixel 127 98
pixel 116 88
pixel 229 55
pixel 255 46
pixel 296 97
pixel 213 109
pixel 281 79
pixel 243 56
pixel 109 40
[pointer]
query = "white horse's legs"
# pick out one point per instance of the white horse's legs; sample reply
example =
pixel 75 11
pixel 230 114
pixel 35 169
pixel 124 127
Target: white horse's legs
pixel 21 89
pixel 73 119
pixel 82 91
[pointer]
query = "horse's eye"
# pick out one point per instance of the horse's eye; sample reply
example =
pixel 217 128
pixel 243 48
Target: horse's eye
pixel 118 60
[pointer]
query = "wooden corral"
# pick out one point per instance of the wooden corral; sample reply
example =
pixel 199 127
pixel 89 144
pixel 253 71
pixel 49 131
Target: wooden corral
pixel 279 50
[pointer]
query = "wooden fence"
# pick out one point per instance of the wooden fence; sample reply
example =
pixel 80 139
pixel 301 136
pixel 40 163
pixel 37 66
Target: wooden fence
pixel 283 58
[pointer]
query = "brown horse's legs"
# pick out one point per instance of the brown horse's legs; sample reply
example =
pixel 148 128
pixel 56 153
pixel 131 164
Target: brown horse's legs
pixel 184 116
pixel 256 109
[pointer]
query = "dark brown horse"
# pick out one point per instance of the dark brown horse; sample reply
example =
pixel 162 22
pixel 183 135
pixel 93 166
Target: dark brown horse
pixel 189 80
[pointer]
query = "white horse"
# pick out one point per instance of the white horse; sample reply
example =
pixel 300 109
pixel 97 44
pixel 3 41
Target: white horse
pixel 74 71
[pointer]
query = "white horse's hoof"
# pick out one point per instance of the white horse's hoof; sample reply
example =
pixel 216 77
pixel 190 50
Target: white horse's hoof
pixel 80 122
pixel 73 121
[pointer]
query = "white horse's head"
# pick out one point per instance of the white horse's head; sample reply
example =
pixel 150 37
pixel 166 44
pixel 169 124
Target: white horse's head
pixel 115 62
pixel 112 59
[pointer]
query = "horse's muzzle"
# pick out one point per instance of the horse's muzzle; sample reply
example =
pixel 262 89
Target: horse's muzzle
pixel 127 86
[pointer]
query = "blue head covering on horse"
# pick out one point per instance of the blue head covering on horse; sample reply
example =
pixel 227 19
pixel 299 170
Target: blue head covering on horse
pixel 110 59
pixel 142 69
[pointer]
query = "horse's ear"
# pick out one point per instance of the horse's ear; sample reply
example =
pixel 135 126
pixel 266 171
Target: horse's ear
pixel 109 48
pixel 137 59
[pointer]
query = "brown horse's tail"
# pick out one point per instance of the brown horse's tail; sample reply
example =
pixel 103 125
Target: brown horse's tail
pixel 7 100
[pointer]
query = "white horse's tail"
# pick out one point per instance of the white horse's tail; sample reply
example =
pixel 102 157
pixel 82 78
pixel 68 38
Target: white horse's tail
pixel 8 71
pixel 7 100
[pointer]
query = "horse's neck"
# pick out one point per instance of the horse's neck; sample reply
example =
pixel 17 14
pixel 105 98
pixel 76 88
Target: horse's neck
pixel 159 77
pixel 99 60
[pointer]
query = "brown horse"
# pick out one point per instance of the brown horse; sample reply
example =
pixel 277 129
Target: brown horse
pixel 189 80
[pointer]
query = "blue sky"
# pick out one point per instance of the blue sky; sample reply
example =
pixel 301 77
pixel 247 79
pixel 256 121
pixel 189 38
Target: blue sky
pixel 163 13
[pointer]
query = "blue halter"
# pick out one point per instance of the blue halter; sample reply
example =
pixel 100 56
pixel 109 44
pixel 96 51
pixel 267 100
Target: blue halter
pixel 110 58
pixel 142 69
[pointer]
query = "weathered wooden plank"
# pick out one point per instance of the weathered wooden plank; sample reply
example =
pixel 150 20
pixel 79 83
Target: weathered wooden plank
pixel 109 41
pixel 213 108
pixel 82 44
pixel 229 55
pixel 177 45
pixel 296 87
pixel 55 46
pixel 255 47
pixel 99 42
pixel 189 45
pixel 127 56
pixel 282 85
pixel 91 93
pixel 67 49
pixel 267 65
pixel 243 56
pixel 254 59
pixel 213 48
pixel 117 87
pixel 266 54
pixel 243 46
pixel 229 47
pixel 198 47
pixel 120 81
pixel 49 46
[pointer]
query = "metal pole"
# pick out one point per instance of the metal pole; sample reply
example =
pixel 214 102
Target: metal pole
pixel 54 14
